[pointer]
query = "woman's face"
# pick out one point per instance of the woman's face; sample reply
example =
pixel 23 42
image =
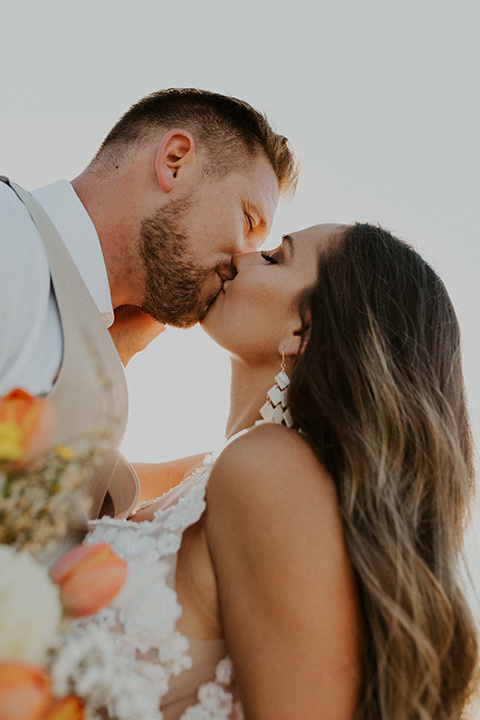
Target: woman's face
pixel 256 310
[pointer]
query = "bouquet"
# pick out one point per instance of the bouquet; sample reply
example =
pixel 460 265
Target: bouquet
pixel 40 501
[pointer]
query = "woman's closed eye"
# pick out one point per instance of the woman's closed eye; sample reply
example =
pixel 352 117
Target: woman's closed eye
pixel 269 258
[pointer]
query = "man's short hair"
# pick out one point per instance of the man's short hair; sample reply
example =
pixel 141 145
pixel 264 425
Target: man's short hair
pixel 230 130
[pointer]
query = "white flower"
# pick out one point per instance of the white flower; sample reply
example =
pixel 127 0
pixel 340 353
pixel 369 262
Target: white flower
pixel 30 609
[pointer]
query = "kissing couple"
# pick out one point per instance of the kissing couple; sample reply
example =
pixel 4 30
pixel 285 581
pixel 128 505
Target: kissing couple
pixel 310 570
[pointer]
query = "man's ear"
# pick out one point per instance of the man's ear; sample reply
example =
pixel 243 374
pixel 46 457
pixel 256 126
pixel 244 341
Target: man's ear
pixel 175 152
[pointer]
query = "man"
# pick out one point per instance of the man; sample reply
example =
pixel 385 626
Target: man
pixel 183 181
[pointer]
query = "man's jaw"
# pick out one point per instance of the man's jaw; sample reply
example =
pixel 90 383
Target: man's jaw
pixel 223 273
pixel 207 305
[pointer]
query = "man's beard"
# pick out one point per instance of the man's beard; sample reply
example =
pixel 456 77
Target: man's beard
pixel 174 280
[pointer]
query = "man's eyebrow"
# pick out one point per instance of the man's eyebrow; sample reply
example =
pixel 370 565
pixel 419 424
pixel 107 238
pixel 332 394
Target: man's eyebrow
pixel 288 240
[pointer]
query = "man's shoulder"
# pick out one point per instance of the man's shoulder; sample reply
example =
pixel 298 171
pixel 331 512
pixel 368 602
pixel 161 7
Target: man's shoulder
pixel 10 202
pixel 18 233
pixel 23 256
pixel 24 281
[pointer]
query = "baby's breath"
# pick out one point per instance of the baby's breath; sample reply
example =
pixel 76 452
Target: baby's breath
pixel 39 506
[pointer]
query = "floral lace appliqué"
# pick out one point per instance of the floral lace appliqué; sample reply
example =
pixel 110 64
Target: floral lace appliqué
pixel 120 660
pixel 215 702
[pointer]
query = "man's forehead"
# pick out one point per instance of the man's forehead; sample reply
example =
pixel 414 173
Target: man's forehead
pixel 261 169
pixel 262 188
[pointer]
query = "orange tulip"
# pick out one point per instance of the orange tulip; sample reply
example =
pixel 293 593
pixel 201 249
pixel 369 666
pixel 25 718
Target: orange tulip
pixel 26 429
pixel 67 708
pixel 89 577
pixel 24 691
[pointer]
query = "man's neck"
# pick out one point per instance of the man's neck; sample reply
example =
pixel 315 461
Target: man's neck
pixel 115 223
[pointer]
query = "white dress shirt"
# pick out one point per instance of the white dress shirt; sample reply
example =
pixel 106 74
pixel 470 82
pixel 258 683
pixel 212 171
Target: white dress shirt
pixel 30 332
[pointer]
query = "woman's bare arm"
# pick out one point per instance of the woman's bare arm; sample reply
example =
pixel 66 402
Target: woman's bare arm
pixel 286 587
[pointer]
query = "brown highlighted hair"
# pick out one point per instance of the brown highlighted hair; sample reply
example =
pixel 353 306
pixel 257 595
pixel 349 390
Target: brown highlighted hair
pixel 231 131
pixel 379 391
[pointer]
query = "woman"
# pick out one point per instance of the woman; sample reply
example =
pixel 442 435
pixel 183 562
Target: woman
pixel 321 557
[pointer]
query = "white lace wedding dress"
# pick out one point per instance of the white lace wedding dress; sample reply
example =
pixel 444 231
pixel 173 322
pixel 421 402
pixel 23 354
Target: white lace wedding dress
pixel 129 661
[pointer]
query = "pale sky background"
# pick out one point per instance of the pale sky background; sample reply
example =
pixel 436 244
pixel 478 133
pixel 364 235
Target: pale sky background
pixel 381 100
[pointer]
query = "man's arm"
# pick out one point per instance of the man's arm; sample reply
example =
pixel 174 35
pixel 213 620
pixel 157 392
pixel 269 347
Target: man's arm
pixel 157 478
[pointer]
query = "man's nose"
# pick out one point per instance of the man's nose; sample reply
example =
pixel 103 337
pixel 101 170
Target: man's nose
pixel 243 258
pixel 249 243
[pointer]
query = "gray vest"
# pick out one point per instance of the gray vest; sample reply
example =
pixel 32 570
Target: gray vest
pixel 90 393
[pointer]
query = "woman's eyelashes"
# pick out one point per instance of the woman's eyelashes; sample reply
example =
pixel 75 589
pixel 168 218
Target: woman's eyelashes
pixel 269 258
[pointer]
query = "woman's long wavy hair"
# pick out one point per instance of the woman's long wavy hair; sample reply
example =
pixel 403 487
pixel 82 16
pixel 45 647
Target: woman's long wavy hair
pixel 379 391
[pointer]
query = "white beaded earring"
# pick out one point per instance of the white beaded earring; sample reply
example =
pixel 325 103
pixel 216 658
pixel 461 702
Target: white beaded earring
pixel 276 409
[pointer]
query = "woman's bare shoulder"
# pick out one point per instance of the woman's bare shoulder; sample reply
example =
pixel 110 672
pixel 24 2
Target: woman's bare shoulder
pixel 268 461
pixel 269 479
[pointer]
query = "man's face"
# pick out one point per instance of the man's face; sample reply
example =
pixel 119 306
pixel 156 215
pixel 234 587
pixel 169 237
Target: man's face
pixel 188 244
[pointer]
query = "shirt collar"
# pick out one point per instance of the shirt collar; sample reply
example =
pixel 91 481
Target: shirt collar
pixel 66 211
